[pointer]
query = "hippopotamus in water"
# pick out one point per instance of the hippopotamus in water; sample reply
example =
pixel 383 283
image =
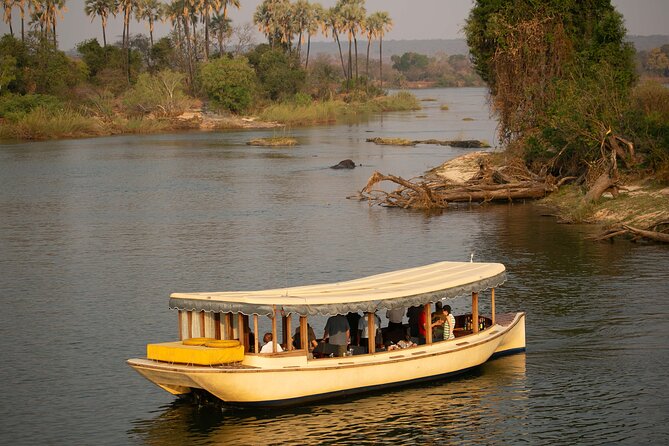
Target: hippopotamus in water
pixel 345 164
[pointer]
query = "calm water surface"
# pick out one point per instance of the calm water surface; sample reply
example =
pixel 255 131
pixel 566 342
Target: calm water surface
pixel 96 233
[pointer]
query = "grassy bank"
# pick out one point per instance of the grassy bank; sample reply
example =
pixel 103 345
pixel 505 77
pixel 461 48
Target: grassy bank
pixel 642 203
pixel 65 122
pixel 331 111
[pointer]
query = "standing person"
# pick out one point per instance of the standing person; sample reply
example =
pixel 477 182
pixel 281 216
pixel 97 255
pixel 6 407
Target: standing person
pixel 413 313
pixel 353 318
pixel 363 330
pixel 338 332
pixel 395 318
pixel 449 326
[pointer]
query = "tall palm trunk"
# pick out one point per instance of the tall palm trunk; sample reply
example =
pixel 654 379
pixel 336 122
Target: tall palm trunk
pixel 306 63
pixel 369 44
pixel 341 55
pixel 206 35
pixel 355 41
pixel 381 60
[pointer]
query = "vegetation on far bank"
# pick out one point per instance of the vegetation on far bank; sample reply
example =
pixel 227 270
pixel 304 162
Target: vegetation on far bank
pixel 213 72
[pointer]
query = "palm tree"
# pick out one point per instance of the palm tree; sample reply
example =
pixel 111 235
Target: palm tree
pixel 102 9
pixel 372 26
pixel 314 22
pixel 301 11
pixel 385 24
pixel 50 10
pixel 353 14
pixel 220 26
pixel 151 11
pixel 7 6
pixel 22 9
pixel 332 23
pixel 207 7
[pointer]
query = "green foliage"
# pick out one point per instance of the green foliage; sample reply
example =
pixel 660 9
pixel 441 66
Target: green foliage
pixel 559 72
pixel 8 71
pixel 647 123
pixel 15 57
pixel 43 123
pixel 279 74
pixel 163 55
pixel 229 83
pixel 161 94
pixel 410 61
pixel 324 78
pixel 13 107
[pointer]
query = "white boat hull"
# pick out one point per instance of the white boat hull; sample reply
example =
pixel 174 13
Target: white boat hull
pixel 291 378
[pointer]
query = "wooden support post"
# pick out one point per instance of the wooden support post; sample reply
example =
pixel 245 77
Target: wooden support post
pixel 256 341
pixel 217 326
pixel 427 308
pixel 274 333
pixel 288 334
pixel 240 328
pixel 475 312
pixel 492 305
pixel 189 333
pixel 229 333
pixel 371 333
pixel 181 333
pixel 202 326
pixel 304 334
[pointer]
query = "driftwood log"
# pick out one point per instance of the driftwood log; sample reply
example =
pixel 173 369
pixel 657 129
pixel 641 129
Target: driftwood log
pixel 435 193
pixel 658 232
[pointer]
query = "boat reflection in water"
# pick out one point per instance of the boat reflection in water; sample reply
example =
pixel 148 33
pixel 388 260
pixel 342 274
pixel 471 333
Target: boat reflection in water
pixel 491 401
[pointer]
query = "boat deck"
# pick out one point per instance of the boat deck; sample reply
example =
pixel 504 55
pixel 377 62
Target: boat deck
pixel 504 319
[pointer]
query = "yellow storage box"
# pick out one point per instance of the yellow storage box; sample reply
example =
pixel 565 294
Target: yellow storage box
pixel 194 354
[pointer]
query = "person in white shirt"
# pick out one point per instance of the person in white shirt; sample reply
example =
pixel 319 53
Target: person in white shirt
pixel 267 348
pixel 395 317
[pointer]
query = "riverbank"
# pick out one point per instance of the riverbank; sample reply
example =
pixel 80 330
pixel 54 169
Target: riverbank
pixel 43 123
pixel 641 202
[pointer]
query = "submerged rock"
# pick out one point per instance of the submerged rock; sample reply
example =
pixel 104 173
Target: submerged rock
pixel 344 164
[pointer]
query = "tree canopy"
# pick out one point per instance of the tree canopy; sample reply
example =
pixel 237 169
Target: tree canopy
pixel 534 55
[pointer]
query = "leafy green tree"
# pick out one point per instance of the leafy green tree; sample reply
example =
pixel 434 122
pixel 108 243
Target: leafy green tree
pixel 533 55
pixel 8 71
pixel 229 83
pixel 17 51
pixel 279 74
pixel 163 55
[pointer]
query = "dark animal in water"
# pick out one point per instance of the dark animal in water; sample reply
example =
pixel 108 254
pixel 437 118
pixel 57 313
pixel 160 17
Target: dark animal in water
pixel 345 164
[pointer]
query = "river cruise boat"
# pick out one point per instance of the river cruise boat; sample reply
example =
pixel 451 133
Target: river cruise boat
pixel 218 337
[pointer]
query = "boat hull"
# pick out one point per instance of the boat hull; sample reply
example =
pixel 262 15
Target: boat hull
pixel 290 378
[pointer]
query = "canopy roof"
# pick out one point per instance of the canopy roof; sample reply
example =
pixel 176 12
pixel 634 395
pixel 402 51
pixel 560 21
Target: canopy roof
pixel 403 288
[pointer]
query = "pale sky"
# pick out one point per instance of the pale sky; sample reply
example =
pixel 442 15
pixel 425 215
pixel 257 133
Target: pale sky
pixel 413 19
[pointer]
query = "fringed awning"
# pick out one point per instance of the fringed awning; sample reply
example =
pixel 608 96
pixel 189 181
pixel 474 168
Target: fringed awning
pixel 396 289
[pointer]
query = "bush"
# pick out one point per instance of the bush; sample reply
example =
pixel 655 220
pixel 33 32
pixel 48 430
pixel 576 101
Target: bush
pixel 161 94
pixel 279 74
pixel 13 107
pixel 229 83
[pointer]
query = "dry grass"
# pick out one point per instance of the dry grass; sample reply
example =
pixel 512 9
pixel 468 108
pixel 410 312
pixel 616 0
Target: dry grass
pixel 273 141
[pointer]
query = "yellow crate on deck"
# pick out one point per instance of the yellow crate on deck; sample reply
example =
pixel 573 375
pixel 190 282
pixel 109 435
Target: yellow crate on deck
pixel 194 354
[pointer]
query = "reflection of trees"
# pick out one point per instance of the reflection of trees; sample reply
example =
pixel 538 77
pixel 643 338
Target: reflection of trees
pixel 474 406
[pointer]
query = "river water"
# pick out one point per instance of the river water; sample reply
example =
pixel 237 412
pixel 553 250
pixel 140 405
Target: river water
pixel 96 233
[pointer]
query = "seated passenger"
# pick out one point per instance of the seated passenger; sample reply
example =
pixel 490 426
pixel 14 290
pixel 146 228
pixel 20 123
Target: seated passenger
pixel 268 347
pixel 311 336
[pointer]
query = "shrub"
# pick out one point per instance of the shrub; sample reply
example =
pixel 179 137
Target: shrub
pixel 161 94
pixel 229 83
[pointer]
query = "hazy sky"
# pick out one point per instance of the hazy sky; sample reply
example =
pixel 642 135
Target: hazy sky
pixel 413 19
